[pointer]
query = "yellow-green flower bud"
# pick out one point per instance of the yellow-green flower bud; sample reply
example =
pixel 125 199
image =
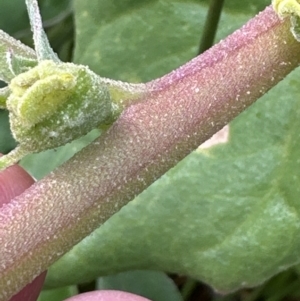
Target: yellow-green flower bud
pixel 286 7
pixel 54 103
pixel 291 8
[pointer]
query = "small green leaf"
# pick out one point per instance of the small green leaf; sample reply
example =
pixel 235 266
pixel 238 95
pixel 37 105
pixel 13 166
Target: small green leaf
pixel 58 294
pixel 18 64
pixel 4 93
pixel 295 20
pixel 12 53
pixel 7 143
pixel 156 286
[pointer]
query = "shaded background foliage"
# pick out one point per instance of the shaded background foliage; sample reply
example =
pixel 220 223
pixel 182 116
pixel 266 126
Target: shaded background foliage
pixel 194 219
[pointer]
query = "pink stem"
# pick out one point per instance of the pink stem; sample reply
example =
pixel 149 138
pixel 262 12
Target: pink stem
pixel 178 113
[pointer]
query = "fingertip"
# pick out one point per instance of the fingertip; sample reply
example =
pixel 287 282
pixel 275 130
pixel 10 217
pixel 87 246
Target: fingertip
pixel 13 181
pixel 107 295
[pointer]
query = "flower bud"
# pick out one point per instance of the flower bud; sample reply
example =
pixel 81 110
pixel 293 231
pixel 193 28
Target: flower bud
pixel 55 103
pixel 286 7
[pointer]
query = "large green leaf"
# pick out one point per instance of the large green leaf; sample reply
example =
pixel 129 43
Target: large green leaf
pixel 13 16
pixel 156 286
pixel 140 40
pixel 53 11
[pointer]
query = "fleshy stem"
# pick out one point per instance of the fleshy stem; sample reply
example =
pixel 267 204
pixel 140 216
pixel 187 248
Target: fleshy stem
pixel 211 24
pixel 176 114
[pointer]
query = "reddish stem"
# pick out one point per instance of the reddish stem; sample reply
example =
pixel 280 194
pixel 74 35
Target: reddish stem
pixel 180 111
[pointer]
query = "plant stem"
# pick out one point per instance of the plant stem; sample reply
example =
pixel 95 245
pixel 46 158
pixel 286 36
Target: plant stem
pixel 176 114
pixel 211 25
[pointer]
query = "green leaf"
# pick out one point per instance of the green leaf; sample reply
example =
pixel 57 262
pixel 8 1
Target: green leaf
pixel 58 294
pixel 252 7
pixel 295 20
pixel 7 142
pixel 156 286
pixel 13 16
pixel 4 93
pixel 132 41
pixel 13 52
pixel 54 11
